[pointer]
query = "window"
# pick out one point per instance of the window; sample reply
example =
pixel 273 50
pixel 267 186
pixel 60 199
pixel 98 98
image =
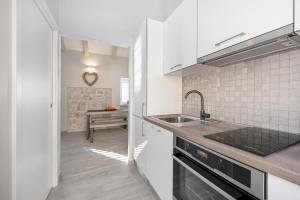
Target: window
pixel 124 91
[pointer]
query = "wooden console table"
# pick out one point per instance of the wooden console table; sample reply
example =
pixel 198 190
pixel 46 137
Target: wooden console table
pixel 103 119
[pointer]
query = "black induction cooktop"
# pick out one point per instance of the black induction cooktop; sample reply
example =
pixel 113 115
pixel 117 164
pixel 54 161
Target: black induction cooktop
pixel 256 140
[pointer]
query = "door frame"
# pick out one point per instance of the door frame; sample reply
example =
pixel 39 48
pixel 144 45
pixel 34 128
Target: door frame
pixel 54 123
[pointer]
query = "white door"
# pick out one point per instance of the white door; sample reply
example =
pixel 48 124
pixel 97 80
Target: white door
pixel 33 101
pixel 225 23
pixel 297 16
pixel 5 100
pixel 139 71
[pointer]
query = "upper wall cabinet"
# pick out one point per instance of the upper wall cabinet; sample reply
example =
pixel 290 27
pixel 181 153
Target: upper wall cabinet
pixel 224 23
pixel 180 37
pixel 297 16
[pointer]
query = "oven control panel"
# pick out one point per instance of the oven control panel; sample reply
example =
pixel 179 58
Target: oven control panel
pixel 224 166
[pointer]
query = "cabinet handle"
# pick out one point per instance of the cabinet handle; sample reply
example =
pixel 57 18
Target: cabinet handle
pixel 179 65
pixel 228 39
pixel 142 109
pixel 143 128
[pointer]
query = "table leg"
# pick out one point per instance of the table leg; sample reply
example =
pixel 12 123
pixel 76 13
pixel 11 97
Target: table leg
pixel 92 135
pixel 88 128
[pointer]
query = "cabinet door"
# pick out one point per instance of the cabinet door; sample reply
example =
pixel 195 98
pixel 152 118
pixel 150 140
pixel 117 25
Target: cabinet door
pixel 159 160
pixel 279 189
pixel 180 37
pixel 140 71
pixel 140 152
pixel 224 23
pixel 188 33
pixel 171 57
pixel 297 16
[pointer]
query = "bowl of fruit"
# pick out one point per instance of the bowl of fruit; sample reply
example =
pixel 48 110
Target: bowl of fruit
pixel 109 108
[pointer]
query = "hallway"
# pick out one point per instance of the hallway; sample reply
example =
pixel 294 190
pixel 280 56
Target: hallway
pixel 99 170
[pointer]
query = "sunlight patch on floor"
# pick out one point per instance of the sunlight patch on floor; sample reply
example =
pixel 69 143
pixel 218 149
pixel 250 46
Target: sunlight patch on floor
pixel 111 154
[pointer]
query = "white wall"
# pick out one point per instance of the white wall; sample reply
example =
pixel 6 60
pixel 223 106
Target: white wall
pixel 110 70
pixel 5 66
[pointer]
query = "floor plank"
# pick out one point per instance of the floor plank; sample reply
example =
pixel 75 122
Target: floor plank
pixel 99 170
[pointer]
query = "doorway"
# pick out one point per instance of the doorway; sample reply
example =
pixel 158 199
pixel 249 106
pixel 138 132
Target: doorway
pixel 94 86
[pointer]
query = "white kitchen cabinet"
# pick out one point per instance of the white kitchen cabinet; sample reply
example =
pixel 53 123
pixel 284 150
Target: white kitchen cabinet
pixel 140 146
pixel 279 189
pixel 139 70
pixel 297 16
pixel 159 160
pixel 180 37
pixel 224 23
pixel 171 57
pixel 154 93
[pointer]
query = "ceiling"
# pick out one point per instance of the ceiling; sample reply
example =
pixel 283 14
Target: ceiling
pixel 111 21
pixel 93 47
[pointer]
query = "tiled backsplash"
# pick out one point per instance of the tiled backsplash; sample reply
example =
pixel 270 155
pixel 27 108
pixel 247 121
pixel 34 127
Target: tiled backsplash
pixel 264 92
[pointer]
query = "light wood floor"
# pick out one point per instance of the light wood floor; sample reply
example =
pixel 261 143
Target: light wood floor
pixel 99 171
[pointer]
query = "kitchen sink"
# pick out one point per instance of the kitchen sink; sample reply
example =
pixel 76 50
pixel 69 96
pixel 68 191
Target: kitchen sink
pixel 183 120
pixel 177 119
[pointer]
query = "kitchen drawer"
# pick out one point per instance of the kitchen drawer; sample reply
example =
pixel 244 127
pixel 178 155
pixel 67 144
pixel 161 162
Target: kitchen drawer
pixel 279 189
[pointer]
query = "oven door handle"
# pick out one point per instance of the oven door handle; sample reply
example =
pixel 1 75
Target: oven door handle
pixel 203 179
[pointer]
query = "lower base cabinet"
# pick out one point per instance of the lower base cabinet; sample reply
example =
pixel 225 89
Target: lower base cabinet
pixel 153 155
pixel 140 146
pixel 159 160
pixel 279 189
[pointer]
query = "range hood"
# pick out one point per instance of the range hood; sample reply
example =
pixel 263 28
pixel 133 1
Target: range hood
pixel 268 43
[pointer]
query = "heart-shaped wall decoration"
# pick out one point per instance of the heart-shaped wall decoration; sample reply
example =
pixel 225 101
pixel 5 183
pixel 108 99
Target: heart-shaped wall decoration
pixel 90 78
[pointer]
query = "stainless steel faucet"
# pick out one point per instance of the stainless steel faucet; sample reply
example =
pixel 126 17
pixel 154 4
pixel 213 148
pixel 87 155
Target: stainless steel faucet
pixel 203 115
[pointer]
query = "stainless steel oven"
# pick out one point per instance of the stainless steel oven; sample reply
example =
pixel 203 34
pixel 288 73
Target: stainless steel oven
pixel 202 174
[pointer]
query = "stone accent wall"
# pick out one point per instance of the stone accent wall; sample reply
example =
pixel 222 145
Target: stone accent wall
pixel 264 92
pixel 81 99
